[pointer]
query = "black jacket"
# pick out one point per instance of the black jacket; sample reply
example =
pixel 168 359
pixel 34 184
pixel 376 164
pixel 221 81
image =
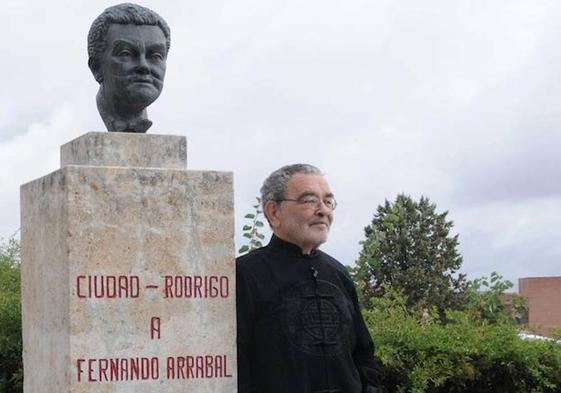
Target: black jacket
pixel 300 329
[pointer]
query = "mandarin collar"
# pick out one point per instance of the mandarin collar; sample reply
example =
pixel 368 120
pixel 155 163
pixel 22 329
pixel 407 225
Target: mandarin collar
pixel 290 248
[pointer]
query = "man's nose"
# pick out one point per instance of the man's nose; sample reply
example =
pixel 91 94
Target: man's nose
pixel 142 67
pixel 323 211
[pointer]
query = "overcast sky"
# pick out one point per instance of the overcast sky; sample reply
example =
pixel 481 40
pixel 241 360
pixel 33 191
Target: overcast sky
pixel 454 100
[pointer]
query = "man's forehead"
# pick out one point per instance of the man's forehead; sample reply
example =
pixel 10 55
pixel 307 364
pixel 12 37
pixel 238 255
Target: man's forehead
pixel 302 183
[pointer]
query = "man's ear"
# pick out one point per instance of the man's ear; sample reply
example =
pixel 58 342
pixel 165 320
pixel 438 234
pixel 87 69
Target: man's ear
pixel 271 212
pixel 94 67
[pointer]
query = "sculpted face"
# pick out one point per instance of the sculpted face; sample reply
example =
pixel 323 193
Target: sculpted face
pixel 302 224
pixel 133 65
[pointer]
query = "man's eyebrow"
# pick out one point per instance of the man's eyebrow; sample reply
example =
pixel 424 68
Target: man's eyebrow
pixel 307 193
pixel 310 193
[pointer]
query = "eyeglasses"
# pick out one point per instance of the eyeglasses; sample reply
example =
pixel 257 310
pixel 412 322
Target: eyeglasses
pixel 313 201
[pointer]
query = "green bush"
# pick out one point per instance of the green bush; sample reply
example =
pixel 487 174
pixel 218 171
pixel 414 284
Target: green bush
pixel 420 353
pixel 11 373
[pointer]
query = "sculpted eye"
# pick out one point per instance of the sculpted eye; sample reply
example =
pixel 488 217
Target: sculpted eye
pixel 124 53
pixel 157 56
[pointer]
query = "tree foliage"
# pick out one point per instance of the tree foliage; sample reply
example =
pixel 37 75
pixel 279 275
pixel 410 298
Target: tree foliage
pixel 421 354
pixel 252 230
pixel 486 298
pixel 408 246
pixel 11 367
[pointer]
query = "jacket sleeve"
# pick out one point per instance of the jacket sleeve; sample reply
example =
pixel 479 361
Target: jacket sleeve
pixel 244 314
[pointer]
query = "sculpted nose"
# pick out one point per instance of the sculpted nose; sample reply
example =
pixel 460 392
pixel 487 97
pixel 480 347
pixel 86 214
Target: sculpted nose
pixel 142 67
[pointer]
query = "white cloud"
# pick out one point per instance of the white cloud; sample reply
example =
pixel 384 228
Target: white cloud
pixel 455 100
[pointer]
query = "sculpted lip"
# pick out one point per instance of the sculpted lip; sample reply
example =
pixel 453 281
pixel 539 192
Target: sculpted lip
pixel 142 80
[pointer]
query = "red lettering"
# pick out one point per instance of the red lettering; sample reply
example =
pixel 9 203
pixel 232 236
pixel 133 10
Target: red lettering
pixel 133 368
pixel 178 286
pixel 225 367
pixel 114 369
pixel 190 365
pixel 199 367
pixel 90 370
pixel 79 368
pixel 170 368
pixel 102 369
pixel 196 367
pixel 123 285
pixel 155 368
pixel 107 286
pixel 121 369
pixel 78 289
pixel 181 367
pixel 124 368
pixel 135 287
pixel 168 283
pixel 213 291
pixel 218 369
pixel 155 325
pixel 196 287
pixel 197 284
pixel 145 368
pixel 111 287
pixel 209 369
pixel 188 286
pixel 224 287
pixel 99 287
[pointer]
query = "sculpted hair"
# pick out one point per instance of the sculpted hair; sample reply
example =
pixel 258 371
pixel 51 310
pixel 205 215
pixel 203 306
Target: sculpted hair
pixel 274 186
pixel 125 14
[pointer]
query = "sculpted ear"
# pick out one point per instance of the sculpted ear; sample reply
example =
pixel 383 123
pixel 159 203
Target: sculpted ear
pixel 96 71
pixel 271 212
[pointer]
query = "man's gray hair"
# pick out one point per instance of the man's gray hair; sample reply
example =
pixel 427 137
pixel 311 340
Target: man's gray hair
pixel 124 14
pixel 274 186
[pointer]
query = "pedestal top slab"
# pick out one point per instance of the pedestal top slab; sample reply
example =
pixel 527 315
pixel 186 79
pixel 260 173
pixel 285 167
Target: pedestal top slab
pixel 126 150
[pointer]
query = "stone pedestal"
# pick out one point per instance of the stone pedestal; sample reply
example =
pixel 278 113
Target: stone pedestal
pixel 128 275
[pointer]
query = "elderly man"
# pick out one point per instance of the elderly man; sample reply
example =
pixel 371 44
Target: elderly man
pixel 300 329
pixel 128 47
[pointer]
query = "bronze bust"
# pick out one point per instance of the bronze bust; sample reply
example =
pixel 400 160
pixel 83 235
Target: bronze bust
pixel 127 48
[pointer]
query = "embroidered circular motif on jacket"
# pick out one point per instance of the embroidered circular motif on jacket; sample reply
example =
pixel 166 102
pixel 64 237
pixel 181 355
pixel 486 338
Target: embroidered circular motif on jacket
pixel 317 324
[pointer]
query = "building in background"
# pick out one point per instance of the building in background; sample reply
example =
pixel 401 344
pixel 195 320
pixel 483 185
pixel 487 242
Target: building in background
pixel 544 302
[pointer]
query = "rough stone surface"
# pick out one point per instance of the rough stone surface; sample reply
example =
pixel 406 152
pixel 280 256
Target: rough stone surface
pixel 144 224
pixel 45 297
pixel 125 150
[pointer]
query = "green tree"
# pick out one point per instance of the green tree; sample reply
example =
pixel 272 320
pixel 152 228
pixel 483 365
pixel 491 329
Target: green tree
pixel 11 367
pixel 409 247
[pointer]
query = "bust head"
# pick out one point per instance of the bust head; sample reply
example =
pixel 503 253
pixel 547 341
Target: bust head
pixel 127 47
